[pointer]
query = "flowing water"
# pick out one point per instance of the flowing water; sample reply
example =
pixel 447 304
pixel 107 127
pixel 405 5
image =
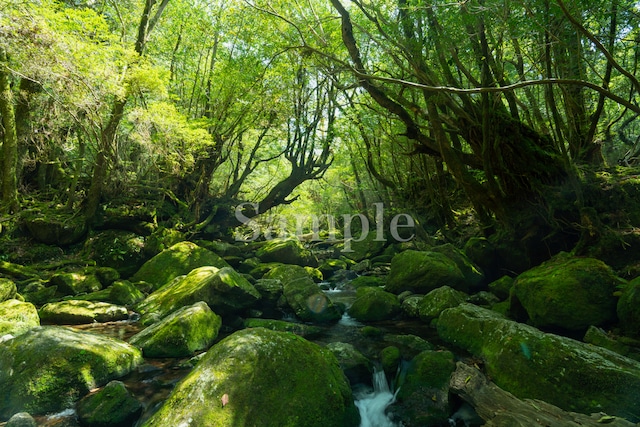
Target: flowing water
pixel 373 403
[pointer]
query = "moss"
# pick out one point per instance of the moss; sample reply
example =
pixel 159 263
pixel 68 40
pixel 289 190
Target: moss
pixel 421 272
pixel 363 281
pixel 125 293
pixel 390 358
pixel 118 249
pixel 286 251
pixel 301 329
pixel 267 378
pixel 374 304
pixel 111 406
pixel 438 300
pixel 17 317
pixel 8 289
pixel 178 260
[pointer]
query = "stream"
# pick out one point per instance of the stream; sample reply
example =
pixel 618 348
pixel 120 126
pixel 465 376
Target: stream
pixel 153 381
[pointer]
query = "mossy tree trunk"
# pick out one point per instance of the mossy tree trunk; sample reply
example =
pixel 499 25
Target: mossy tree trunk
pixel 10 143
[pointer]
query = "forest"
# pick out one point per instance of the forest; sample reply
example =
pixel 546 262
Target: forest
pixel 441 194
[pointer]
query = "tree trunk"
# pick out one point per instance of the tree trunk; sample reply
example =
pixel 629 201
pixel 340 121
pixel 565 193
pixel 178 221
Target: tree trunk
pixel 10 144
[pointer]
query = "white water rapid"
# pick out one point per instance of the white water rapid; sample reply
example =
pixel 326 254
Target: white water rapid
pixel 373 404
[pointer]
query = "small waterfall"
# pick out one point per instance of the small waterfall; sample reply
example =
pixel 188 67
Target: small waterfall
pixel 373 404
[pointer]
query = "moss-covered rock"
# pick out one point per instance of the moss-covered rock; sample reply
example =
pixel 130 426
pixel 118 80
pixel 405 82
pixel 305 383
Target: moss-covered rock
pixel 390 359
pixel 568 293
pixel 627 308
pixel 423 271
pixel 331 265
pixel 106 275
pixel 17 317
pixel 112 406
pixel 124 292
pixel 117 249
pixel 75 312
pixel 182 333
pixel 75 283
pixel 286 251
pixel 61 228
pixel 501 287
pixel 423 397
pixel 531 364
pixel 364 281
pixel 410 345
pixel 438 300
pixel 178 260
pixel 410 305
pixel 353 363
pixel 473 275
pixel 22 419
pixel 368 247
pixel 223 289
pixel 8 289
pixel 374 304
pixel 48 368
pixel 271 291
pixel 301 329
pixel 258 377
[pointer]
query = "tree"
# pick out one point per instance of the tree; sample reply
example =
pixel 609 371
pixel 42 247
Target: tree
pixel 10 143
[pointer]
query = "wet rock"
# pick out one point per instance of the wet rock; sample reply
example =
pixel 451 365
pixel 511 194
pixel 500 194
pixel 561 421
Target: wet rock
pixel 48 368
pixel 113 406
pixel 178 260
pixel 8 289
pixel 627 308
pixel 353 363
pixel 438 300
pixel 286 251
pixel 180 334
pixel 567 292
pixel 17 317
pixel 532 364
pixel 75 312
pixel 303 295
pixel 374 304
pixel 301 329
pixel 258 377
pixel 222 289
pixel 21 419
pixel 423 271
pixel 423 398
pixel 390 358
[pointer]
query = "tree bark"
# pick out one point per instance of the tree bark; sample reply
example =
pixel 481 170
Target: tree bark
pixel 10 144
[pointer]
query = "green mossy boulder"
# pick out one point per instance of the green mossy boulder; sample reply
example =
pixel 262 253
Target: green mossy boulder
pixel 411 305
pixel 75 283
pixel 567 292
pixel 271 291
pixel 364 281
pixel 112 406
pixel 48 368
pixel 17 271
pixel 501 287
pixel 438 300
pixel 176 261
pixel 473 276
pixel 367 248
pixel 8 289
pixel 628 308
pixel 124 292
pixel 301 329
pixel 21 419
pixel 258 377
pixel 353 363
pixel 390 359
pixel 224 290
pixel 286 251
pixel 423 397
pixel 60 228
pixel 374 304
pixel 182 333
pixel 532 364
pixel 17 317
pixel 75 312
pixel 117 249
pixel 331 265
pixel 423 271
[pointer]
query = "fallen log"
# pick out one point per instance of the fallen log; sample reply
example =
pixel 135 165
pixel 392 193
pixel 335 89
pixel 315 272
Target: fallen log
pixel 499 408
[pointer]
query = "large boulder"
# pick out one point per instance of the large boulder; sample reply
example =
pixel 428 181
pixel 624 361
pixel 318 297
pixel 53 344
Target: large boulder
pixel 302 329
pixel 353 363
pixel 423 271
pixel 180 334
pixel 531 364
pixel 374 304
pixel 286 251
pixel 176 261
pixel 627 308
pixel 423 397
pixel 112 406
pixel 75 312
pixel 75 283
pixel 223 289
pixel 17 317
pixel 48 368
pixel 567 292
pixel 258 377
pixel 473 275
